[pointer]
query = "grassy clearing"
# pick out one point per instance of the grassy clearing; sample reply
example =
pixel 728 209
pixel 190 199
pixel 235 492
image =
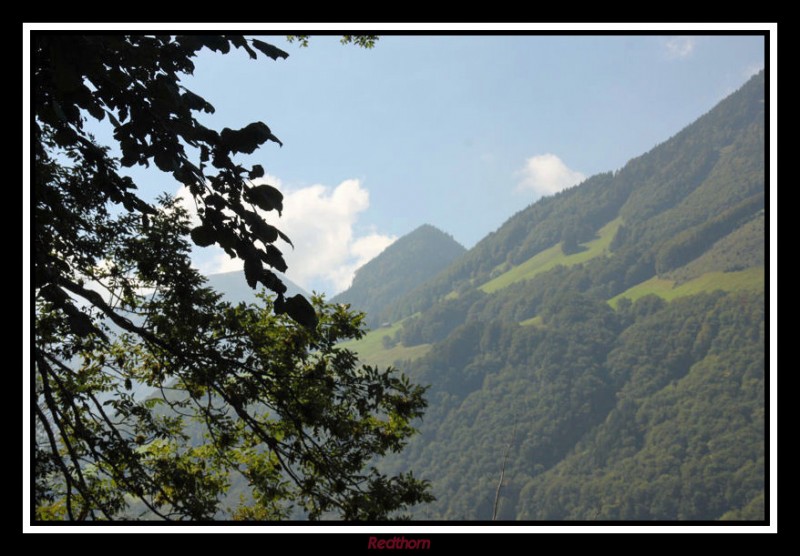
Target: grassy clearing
pixel 554 256
pixel 373 340
pixel 386 357
pixel 534 321
pixel 370 348
pixel 748 279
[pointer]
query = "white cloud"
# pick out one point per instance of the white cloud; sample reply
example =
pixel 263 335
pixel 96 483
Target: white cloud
pixel 546 174
pixel 361 251
pixel 679 47
pixel 320 221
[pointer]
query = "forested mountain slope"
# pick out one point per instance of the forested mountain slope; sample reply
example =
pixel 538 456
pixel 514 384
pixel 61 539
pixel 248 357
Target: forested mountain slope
pixel 611 337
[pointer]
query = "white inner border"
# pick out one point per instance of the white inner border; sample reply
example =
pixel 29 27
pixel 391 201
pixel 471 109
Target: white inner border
pixel 411 28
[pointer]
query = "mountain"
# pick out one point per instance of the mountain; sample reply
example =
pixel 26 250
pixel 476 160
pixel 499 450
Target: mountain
pixel 401 267
pixel 605 346
pixel 695 187
pixel 234 288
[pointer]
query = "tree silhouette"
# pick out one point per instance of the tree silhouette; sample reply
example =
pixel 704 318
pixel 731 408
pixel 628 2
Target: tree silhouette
pixel 236 394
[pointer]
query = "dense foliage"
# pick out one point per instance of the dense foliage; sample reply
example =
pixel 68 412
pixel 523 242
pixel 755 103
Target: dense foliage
pixel 132 352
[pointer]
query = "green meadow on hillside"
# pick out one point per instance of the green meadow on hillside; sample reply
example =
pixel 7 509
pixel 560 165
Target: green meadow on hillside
pixel 748 279
pixel 372 351
pixel 550 258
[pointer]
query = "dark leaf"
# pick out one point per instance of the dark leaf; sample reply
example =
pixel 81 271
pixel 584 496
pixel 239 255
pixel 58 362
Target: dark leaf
pixel 279 305
pixel 301 311
pixel 247 139
pixel 236 141
pixel 80 324
pixel 252 271
pixel 261 229
pixel 215 42
pixel 269 50
pixel 247 250
pixel 54 295
pixel 227 239
pixel 203 236
pixel 65 136
pixel 285 238
pixel 166 161
pixel 58 111
pixel 196 102
pixel 187 174
pixel 66 78
pixel 265 197
pixel 274 258
pixel 266 133
pixel 221 159
pixel 191 43
pixel 259 131
pixel 215 200
pixel 240 42
pixel 256 172
pixel 141 206
pixel 272 282
pixel 96 110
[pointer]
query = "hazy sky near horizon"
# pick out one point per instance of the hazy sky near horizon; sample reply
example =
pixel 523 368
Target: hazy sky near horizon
pixel 456 131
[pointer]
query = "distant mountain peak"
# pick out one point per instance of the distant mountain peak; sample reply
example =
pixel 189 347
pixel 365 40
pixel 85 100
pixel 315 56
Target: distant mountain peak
pixel 401 267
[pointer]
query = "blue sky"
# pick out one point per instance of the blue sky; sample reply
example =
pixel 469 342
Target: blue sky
pixel 456 131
